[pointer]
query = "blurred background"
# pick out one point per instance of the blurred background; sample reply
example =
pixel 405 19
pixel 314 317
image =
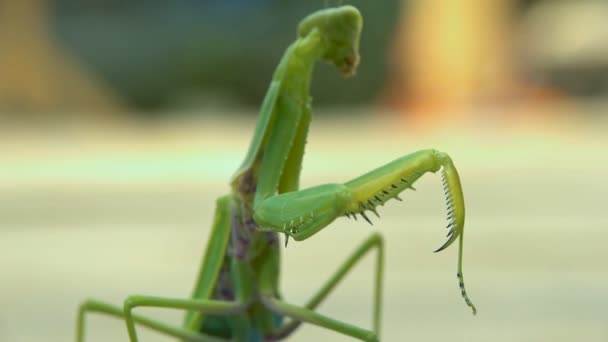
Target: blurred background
pixel 122 121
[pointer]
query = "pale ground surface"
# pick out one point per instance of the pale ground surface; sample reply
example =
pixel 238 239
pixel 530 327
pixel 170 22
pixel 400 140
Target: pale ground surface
pixel 104 215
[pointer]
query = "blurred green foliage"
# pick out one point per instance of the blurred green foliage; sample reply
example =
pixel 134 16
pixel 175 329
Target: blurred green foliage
pixel 156 53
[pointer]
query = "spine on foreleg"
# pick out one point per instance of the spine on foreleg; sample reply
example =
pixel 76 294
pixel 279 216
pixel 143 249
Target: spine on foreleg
pixel 456 214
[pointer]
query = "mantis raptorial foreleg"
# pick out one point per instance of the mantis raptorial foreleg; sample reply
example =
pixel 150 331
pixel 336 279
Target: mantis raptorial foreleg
pixel 301 214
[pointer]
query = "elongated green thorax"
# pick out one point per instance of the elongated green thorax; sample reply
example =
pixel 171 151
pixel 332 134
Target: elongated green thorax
pixel 331 35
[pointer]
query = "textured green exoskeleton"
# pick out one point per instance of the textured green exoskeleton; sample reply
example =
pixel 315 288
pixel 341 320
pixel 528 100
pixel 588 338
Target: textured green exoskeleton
pixel 236 296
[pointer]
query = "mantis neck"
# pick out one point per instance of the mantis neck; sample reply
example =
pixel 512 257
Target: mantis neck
pixel 274 160
pixel 279 168
pixel 299 59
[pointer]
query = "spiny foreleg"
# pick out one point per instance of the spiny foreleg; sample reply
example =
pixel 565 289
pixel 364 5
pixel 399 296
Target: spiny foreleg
pixel 301 214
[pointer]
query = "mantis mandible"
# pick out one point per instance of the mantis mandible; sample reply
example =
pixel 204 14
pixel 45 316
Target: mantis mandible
pixel 236 296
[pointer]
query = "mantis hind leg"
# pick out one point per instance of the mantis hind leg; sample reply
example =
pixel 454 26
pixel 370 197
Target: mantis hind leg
pixel 309 316
pixel 375 241
pixel 91 306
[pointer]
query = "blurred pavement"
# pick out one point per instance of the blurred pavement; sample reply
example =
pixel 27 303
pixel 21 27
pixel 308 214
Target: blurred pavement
pixel 89 213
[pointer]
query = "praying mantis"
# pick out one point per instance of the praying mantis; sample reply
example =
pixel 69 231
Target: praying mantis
pixel 236 295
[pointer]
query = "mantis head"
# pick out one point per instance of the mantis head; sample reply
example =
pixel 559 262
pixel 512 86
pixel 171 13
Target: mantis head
pixel 340 30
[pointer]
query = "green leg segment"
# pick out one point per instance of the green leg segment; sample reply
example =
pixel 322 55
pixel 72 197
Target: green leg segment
pixel 301 214
pixel 309 316
pixel 375 241
pixel 213 259
pixel 94 306
pixel 207 307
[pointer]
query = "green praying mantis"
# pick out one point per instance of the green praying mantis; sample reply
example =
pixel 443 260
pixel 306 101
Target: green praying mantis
pixel 236 296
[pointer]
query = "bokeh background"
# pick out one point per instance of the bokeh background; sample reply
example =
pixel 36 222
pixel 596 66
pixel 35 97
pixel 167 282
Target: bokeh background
pixel 122 121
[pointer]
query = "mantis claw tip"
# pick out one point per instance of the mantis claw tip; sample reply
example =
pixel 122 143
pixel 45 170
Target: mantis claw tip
pixel 366 218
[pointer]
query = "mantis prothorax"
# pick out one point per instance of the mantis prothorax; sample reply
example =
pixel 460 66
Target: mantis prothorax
pixel 236 296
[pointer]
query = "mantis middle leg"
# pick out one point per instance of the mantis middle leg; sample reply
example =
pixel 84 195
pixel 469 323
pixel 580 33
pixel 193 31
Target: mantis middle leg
pixel 375 241
pixel 309 316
